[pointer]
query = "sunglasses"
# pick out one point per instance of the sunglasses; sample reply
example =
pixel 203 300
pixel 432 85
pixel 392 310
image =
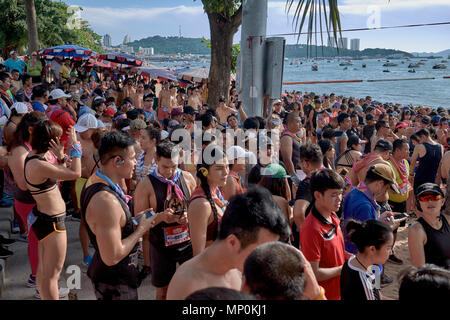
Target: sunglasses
pixel 429 197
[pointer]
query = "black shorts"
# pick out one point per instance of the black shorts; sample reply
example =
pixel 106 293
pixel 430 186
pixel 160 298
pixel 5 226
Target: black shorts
pixel 46 225
pixel 164 263
pixel 105 291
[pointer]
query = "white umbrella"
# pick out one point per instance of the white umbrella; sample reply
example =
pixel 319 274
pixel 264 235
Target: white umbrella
pixel 196 75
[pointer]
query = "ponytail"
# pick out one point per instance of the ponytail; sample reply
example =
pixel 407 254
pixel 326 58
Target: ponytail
pixel 368 233
pixel 205 186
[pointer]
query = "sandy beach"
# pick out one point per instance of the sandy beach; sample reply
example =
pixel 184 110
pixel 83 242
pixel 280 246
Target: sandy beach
pixel 402 252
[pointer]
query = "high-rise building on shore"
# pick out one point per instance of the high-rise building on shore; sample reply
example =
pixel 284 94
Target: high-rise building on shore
pixel 343 43
pixel 354 44
pixel 107 40
pixel 127 39
pixel 331 42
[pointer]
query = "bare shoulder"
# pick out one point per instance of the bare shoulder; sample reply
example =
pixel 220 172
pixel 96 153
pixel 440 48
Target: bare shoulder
pixel 185 281
pixel 416 230
pixel 190 180
pixel 103 207
pixel 144 186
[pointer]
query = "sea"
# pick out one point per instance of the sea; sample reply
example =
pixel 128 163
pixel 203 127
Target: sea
pixel 430 92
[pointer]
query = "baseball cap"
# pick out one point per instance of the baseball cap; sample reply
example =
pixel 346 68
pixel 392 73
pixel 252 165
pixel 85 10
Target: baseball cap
pixel 235 152
pixel 176 112
pixel 401 125
pixel 109 112
pixel 164 134
pixel 85 122
pixel 429 187
pixel 274 170
pixel 58 94
pixel 12 52
pixel 426 120
pixel 137 124
pixel 386 172
pixel 354 139
pixel 20 107
pixel 277 101
pixel 384 144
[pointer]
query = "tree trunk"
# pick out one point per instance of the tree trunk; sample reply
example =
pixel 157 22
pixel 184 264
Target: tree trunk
pixel 222 34
pixel 33 38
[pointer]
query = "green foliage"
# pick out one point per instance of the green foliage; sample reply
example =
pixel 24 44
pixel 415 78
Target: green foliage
pixel 172 45
pixel 51 19
pixel 226 8
pixel 234 54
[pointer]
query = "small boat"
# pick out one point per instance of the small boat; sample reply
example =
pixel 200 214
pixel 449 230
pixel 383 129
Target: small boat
pixel 440 66
pixel 347 63
pixel 386 70
pixel 355 68
pixel 390 64
pixel 364 65
pixel 412 71
pixel 315 67
pixel 414 65
pixel 345 68
pixel 420 63
pixel 444 61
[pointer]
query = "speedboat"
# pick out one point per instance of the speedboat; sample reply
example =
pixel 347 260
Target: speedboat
pixel 386 70
pixel 440 66
pixel 390 64
pixel 315 67
pixel 346 63
pixel 412 71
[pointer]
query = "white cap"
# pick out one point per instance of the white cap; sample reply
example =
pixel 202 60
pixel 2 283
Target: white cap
pixel 235 152
pixel 20 107
pixel 277 101
pixel 12 52
pixel 85 122
pixel 57 94
pixel 164 134
pixel 100 124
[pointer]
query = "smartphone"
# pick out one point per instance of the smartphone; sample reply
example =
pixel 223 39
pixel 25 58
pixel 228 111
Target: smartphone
pixel 148 214
pixel 179 211
pixel 401 215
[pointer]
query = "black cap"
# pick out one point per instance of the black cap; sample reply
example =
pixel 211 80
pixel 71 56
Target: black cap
pixel 429 187
pixel 188 110
pixel 426 120
pixel 384 145
pixel 99 92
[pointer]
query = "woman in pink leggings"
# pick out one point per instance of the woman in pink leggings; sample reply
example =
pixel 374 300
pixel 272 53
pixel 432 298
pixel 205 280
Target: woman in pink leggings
pixel 23 201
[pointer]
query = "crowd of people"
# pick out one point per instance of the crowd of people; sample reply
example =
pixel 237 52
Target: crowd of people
pixel 303 204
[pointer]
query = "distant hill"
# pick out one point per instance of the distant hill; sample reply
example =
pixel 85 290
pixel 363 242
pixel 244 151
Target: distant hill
pixel 444 53
pixel 300 51
pixel 172 45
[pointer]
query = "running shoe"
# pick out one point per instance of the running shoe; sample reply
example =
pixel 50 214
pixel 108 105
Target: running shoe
pixel 5 253
pixel 386 280
pixel 394 259
pixel 31 283
pixel 63 292
pixel 6 242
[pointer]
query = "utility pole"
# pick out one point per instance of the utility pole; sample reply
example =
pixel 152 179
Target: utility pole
pixel 253 36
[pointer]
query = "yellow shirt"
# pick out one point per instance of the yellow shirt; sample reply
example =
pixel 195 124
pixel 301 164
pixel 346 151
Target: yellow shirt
pixel 65 72
pixel 399 197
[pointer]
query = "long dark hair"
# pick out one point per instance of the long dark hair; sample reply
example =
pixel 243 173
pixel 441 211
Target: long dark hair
pixel 216 152
pixel 22 135
pixel 368 233
pixel 276 186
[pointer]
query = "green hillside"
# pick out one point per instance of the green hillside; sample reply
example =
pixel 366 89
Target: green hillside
pixel 174 45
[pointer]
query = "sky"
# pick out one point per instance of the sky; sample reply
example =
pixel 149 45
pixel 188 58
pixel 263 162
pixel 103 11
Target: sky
pixel 143 18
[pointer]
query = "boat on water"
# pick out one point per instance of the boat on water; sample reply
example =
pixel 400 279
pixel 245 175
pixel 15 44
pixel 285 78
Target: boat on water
pixel 412 71
pixel 386 70
pixel 444 61
pixel 440 66
pixel 345 68
pixel 390 64
pixel 315 67
pixel 414 65
pixel 364 65
pixel 346 63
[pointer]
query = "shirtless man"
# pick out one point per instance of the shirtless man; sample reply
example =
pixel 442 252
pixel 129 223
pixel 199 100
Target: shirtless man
pixel 164 102
pixel 85 127
pixel 104 206
pixel 223 111
pixel 194 99
pixel 138 97
pixel 173 99
pixel 169 241
pixel 181 97
pixel 251 219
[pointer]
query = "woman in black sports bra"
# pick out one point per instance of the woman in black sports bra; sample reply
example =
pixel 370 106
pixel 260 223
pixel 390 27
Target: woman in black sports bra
pixel 49 214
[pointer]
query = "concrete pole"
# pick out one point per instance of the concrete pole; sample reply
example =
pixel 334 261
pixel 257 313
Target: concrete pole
pixel 253 35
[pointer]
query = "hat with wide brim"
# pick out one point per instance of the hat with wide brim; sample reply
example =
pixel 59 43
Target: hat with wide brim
pixel 386 172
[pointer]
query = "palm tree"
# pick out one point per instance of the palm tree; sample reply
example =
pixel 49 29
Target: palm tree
pixel 33 38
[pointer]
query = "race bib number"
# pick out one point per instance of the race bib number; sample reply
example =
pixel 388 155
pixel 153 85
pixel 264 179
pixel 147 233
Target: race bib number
pixel 176 235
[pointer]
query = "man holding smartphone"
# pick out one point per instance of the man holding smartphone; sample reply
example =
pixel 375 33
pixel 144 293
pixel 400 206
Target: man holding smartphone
pixel 167 190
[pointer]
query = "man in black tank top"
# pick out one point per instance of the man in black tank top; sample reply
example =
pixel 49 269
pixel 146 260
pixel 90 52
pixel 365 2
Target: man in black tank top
pixel 104 207
pixel 167 190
